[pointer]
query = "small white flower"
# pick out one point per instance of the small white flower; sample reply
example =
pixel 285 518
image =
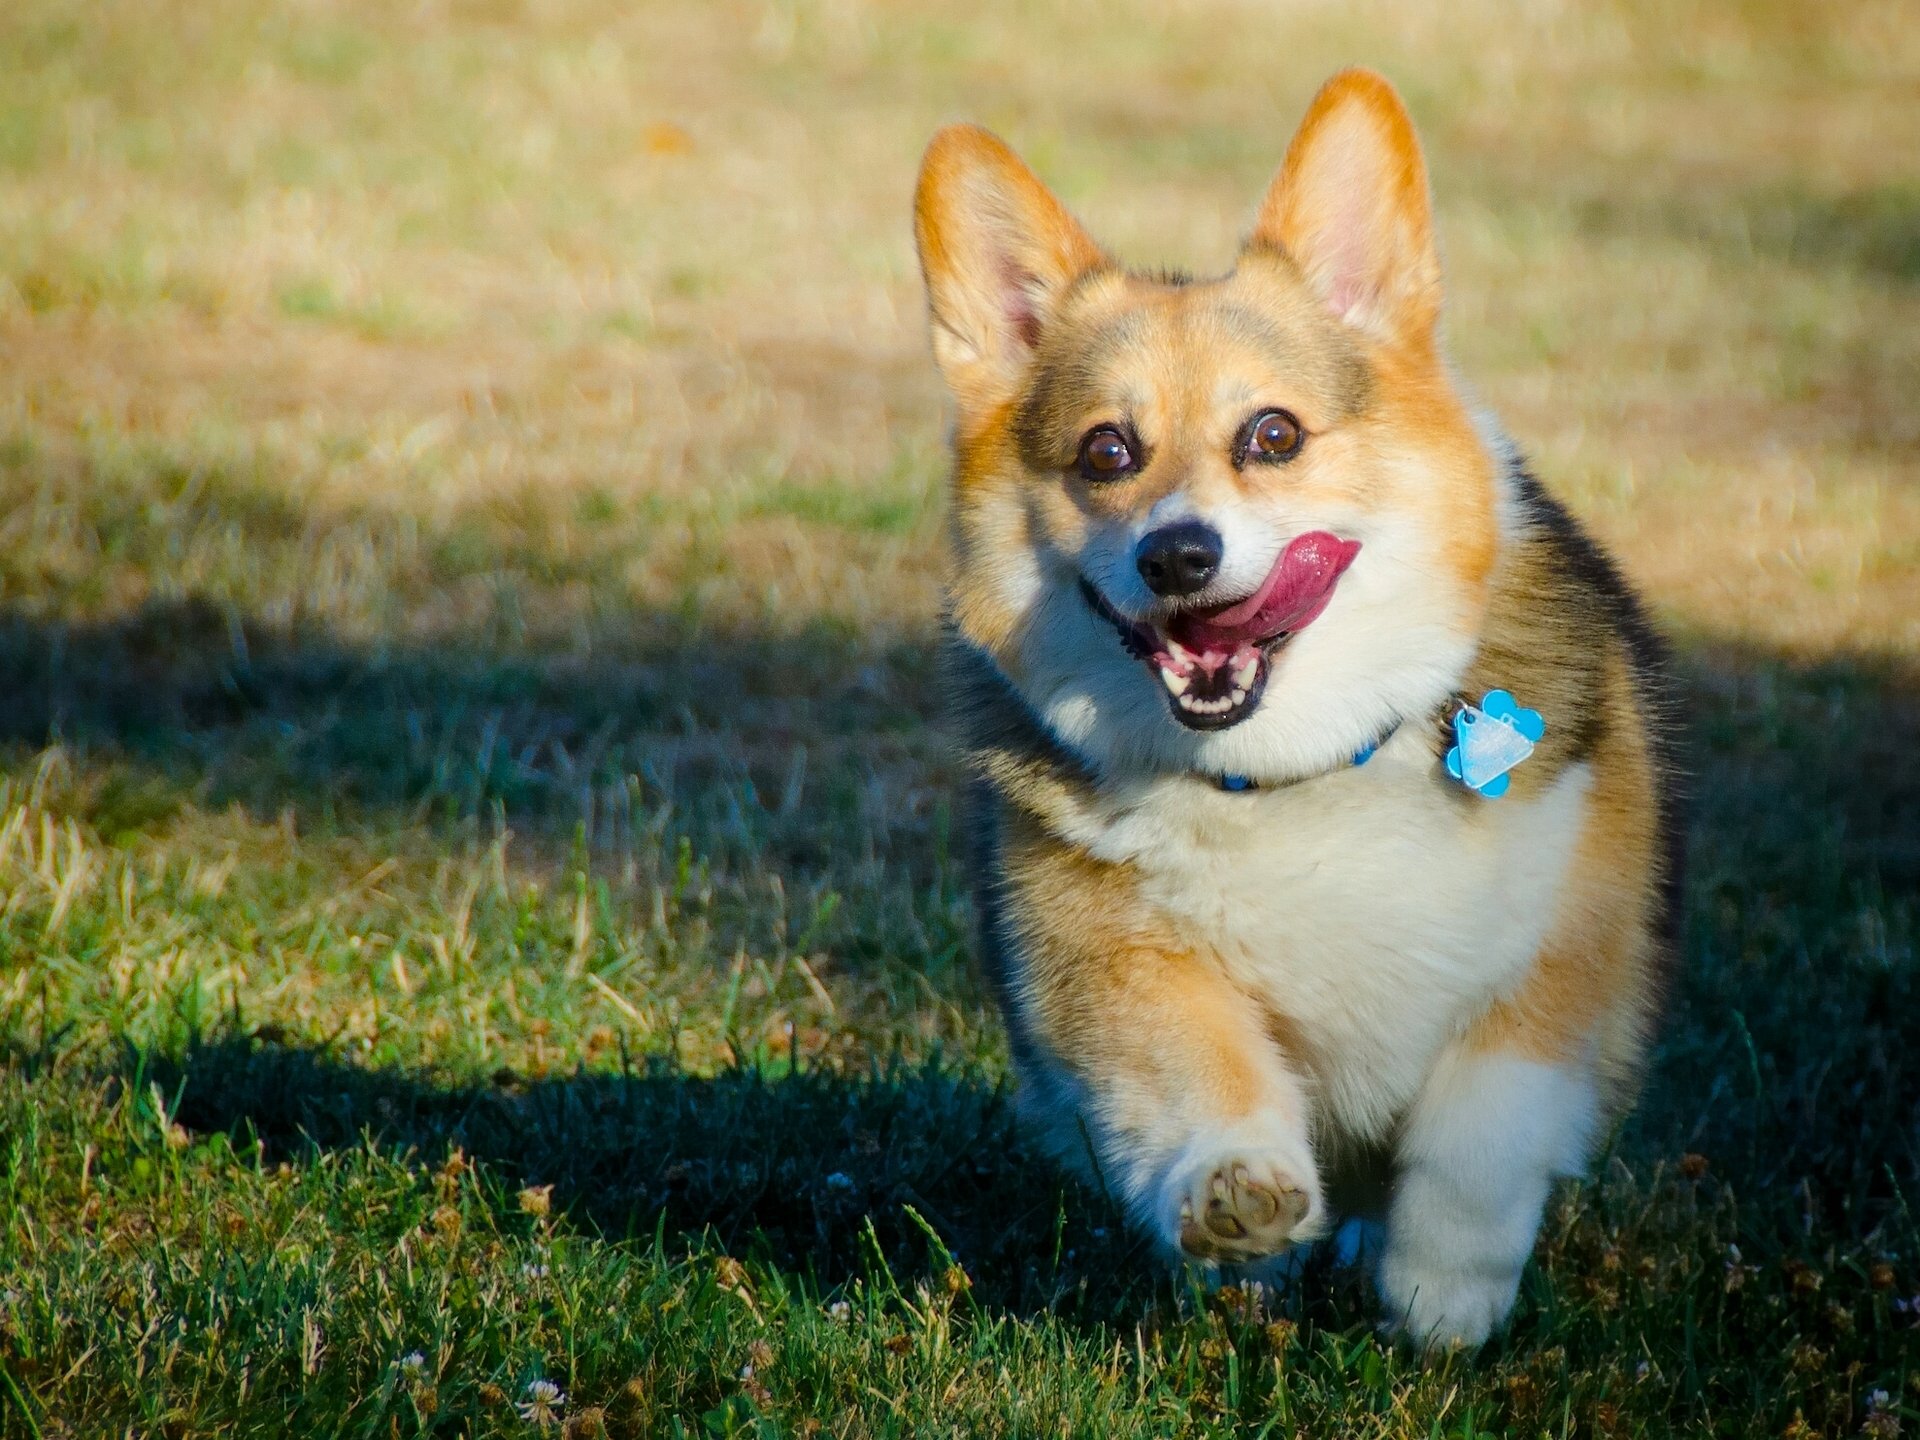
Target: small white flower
pixel 413 1362
pixel 839 1180
pixel 543 1404
pixel 534 1271
pixel 1881 1422
pixel 840 1312
pixel 746 1372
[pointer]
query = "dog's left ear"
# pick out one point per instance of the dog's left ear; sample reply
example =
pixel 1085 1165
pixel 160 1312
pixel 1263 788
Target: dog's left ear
pixel 997 249
pixel 1350 207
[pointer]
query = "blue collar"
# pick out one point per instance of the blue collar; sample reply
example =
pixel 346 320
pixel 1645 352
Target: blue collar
pixel 1489 739
pixel 1238 784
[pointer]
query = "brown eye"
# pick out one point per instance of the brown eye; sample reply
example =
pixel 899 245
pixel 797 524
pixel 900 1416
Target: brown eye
pixel 1274 435
pixel 1105 454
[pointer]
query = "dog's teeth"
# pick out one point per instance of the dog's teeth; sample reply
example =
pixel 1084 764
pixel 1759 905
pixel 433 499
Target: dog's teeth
pixel 1243 677
pixel 1240 695
pixel 1176 683
pixel 1180 653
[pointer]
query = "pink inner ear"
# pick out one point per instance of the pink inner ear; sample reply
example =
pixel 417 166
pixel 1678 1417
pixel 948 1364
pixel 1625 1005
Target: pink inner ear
pixel 1017 288
pixel 1346 284
pixel 1349 165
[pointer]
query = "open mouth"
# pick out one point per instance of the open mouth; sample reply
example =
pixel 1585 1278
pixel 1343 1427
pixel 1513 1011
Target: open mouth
pixel 1214 663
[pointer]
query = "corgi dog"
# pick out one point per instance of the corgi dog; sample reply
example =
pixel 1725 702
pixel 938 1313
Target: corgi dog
pixel 1323 794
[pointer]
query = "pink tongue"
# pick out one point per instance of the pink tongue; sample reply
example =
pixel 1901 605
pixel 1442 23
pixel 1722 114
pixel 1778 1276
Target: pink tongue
pixel 1296 590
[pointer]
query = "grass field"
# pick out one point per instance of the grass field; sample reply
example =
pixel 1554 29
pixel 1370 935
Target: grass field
pixel 479 892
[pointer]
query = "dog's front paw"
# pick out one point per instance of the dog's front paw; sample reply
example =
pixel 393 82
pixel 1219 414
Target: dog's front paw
pixel 1233 1198
pixel 1444 1305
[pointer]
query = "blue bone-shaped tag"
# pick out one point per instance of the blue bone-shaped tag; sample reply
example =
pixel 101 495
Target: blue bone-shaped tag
pixel 1490 739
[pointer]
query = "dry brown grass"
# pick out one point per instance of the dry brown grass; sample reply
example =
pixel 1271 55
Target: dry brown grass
pixel 422 258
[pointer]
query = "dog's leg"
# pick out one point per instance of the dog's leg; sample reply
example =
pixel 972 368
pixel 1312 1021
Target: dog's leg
pixel 1520 1096
pixel 1477 1155
pixel 1514 1102
pixel 1193 1114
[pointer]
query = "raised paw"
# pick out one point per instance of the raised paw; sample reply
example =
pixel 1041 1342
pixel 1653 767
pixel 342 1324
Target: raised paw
pixel 1239 1207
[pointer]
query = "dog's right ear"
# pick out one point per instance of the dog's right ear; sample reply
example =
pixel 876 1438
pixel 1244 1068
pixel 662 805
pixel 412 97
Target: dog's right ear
pixel 997 250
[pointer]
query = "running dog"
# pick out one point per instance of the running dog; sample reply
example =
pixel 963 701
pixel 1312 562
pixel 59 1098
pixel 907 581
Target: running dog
pixel 1324 798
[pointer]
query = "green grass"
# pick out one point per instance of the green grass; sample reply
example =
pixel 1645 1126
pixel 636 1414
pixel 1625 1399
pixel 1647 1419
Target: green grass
pixel 479 870
pixel 279 966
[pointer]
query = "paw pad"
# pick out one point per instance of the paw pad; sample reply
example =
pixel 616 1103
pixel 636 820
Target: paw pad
pixel 1234 1214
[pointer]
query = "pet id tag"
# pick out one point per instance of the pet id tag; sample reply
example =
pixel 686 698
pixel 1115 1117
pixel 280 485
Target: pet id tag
pixel 1490 739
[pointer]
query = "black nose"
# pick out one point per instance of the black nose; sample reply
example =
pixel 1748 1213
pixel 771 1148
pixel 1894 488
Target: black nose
pixel 1179 559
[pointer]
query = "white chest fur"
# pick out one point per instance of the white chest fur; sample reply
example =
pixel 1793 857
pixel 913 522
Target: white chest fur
pixel 1378 909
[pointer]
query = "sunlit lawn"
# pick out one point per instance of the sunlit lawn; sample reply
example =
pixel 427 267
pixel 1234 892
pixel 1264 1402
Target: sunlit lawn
pixel 481 898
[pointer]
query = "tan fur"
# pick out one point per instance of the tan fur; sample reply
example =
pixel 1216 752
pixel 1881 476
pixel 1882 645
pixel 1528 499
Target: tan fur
pixel 1356 153
pixel 1111 981
pixel 1598 975
pixel 995 275
pixel 1211 1082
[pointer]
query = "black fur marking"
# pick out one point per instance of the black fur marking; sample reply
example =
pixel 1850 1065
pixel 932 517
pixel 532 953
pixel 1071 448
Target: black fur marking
pixel 1589 569
pixel 1164 275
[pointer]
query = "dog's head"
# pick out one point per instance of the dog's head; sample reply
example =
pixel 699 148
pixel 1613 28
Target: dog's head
pixel 1240 525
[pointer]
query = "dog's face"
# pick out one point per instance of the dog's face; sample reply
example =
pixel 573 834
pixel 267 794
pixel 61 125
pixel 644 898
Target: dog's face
pixel 1241 525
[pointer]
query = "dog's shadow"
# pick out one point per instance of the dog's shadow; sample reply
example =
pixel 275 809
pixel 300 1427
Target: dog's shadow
pixel 826 1176
pixel 893 1177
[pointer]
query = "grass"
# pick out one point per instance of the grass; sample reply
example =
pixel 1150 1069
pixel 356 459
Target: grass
pixel 478 873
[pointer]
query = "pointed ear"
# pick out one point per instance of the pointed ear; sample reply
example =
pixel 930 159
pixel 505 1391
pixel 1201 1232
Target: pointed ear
pixel 1350 206
pixel 997 250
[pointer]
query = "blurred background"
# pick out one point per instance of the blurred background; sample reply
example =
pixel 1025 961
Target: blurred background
pixel 424 423
pixel 470 514
pixel 424 323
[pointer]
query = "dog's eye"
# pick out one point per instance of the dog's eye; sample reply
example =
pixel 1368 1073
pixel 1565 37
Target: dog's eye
pixel 1105 454
pixel 1274 435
